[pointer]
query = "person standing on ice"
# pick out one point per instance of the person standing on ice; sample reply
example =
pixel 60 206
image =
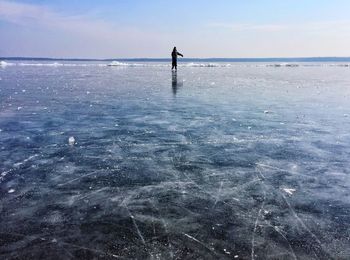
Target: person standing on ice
pixel 174 58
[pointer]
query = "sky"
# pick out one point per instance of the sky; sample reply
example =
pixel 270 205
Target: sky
pixel 150 29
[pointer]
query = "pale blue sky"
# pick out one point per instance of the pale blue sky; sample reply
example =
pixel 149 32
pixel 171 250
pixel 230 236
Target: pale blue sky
pixel 199 28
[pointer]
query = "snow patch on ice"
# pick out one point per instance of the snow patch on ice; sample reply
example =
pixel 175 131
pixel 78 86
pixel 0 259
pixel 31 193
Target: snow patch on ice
pixel 122 64
pixel 25 161
pixel 55 64
pixel 5 64
pixel 71 140
pixel 289 190
pixel 283 65
pixel 205 65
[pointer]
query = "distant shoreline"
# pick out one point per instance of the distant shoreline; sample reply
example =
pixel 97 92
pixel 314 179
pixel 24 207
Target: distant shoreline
pixel 300 59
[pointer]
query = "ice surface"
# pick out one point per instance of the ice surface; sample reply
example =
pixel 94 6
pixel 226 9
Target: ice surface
pixel 170 166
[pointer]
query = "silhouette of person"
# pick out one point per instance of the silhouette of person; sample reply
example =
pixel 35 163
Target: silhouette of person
pixel 174 55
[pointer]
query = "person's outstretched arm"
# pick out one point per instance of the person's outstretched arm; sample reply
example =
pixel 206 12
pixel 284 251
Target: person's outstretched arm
pixel 179 54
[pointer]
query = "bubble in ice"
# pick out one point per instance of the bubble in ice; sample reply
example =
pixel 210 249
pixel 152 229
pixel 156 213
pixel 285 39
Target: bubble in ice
pixel 267 111
pixel 11 191
pixel 71 140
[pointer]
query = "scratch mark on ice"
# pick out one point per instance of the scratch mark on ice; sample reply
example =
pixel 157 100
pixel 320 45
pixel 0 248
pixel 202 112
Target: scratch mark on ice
pixel 219 194
pixel 300 220
pixel 255 227
pixel 199 242
pixel 284 237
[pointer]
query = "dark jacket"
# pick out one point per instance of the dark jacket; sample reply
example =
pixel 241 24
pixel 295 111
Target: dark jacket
pixel 174 55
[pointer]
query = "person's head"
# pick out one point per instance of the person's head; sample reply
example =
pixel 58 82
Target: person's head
pixel 174 49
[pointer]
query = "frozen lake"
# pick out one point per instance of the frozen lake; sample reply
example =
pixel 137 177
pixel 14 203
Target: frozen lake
pixel 248 161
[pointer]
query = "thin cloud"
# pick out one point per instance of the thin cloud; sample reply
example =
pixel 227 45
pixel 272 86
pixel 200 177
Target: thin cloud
pixel 41 16
pixel 98 37
pixel 307 27
pixel 20 13
pixel 249 27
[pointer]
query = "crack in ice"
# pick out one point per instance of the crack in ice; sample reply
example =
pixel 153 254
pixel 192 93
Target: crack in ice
pixel 199 242
pixel 255 227
pixel 285 238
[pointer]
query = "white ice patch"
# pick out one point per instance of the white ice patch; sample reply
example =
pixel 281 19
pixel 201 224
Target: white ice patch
pixel 227 252
pixel 55 64
pixel 283 65
pixel 205 65
pixel 122 64
pixel 11 191
pixel 5 64
pixel 339 65
pixel 25 161
pixel 289 190
pixel 3 175
pixel 71 140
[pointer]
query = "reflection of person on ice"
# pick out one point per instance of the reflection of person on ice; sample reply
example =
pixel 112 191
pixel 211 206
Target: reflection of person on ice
pixel 174 58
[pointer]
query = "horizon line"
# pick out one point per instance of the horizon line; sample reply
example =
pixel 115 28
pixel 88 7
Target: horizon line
pixel 321 58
